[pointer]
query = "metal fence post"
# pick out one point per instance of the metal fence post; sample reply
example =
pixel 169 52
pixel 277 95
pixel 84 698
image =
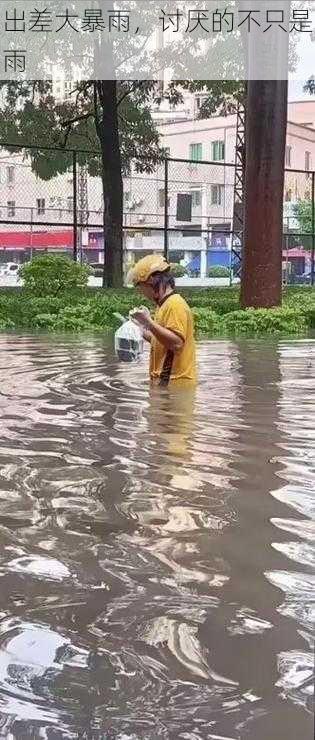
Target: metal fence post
pixel 313 228
pixel 75 206
pixel 166 208
pixel 31 236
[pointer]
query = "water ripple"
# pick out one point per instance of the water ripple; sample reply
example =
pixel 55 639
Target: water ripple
pixel 157 553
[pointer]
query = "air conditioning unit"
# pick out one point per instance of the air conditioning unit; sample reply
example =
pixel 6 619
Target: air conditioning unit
pixel 133 205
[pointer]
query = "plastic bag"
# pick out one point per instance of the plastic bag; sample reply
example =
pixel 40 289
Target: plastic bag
pixel 129 342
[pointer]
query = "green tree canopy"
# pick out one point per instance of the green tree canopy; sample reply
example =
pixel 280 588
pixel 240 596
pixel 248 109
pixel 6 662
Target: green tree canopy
pixel 303 213
pixel 30 114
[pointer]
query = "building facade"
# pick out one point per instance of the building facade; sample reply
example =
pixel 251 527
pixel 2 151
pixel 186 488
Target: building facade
pixel 201 165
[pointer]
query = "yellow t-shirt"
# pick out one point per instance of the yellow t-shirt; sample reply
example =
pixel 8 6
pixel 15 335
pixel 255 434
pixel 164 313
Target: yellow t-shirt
pixel 166 366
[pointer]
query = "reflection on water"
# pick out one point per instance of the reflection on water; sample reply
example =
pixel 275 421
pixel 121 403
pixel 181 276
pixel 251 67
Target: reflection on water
pixel 157 547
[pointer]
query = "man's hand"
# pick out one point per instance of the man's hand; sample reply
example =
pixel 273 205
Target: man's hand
pixel 141 316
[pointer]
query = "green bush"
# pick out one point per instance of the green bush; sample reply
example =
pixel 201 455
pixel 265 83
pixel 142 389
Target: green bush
pixel 44 321
pixel 265 321
pixel 218 271
pixel 309 314
pixel 207 322
pixel 6 324
pixel 50 275
pixel 22 308
pixel 178 270
pixel 69 318
pixel 221 300
pixel 216 311
pixel 223 307
pixel 74 318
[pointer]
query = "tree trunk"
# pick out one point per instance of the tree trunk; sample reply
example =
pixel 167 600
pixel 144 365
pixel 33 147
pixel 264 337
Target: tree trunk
pixel 266 120
pixel 112 184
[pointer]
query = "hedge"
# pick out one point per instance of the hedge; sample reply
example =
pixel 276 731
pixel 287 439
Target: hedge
pixel 216 311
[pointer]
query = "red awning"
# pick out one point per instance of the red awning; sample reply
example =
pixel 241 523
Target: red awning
pixel 36 239
pixel 296 253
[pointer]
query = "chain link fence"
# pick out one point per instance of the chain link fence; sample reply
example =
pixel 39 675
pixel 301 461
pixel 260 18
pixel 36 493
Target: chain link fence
pixel 51 200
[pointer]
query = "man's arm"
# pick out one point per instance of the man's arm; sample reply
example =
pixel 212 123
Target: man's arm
pixel 168 338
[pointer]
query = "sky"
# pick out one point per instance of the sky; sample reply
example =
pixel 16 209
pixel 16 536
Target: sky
pixel 296 91
pixel 305 67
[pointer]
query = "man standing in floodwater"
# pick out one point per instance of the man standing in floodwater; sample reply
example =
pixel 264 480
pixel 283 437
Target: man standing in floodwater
pixel 171 332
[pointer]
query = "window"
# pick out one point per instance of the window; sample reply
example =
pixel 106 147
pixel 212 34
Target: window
pixel 218 151
pixel 10 175
pixel 196 198
pixel 176 256
pixel 288 151
pixel 161 196
pixel 307 161
pixel 194 230
pixel 58 205
pixel 307 195
pixel 216 195
pixel 127 197
pixel 70 204
pixel 198 102
pixel 11 208
pixel 220 234
pixel 195 152
pixel 40 205
pixel 54 202
pixel 288 195
pixel 68 86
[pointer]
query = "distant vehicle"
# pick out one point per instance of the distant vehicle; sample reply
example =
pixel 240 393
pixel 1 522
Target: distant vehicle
pixel 97 268
pixel 304 279
pixel 9 268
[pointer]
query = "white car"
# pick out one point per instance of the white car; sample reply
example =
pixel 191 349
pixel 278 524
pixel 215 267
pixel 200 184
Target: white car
pixel 9 275
pixel 9 268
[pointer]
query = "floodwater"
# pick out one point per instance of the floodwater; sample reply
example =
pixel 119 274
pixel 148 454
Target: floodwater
pixel 157 549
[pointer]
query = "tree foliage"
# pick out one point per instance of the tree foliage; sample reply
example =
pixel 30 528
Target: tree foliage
pixel 30 114
pixel 310 86
pixel 220 96
pixel 303 213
